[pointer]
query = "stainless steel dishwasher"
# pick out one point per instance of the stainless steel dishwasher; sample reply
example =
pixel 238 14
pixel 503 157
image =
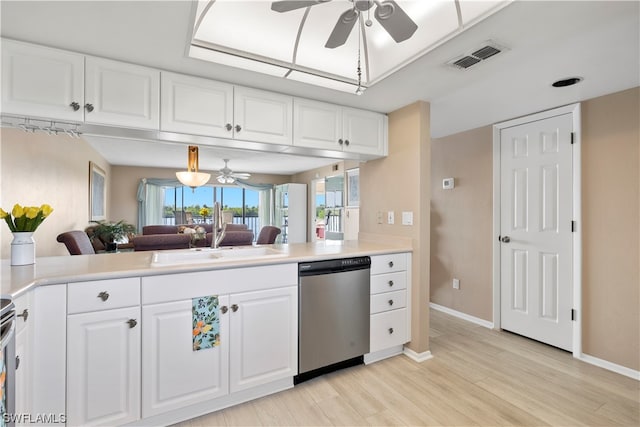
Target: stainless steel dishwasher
pixel 333 315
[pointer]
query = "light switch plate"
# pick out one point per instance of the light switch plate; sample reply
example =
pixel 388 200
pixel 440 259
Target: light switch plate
pixel 448 183
pixel 407 218
pixel 379 217
pixel 390 217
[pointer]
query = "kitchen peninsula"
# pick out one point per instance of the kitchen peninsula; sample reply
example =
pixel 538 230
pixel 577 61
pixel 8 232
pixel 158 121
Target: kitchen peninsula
pixel 108 338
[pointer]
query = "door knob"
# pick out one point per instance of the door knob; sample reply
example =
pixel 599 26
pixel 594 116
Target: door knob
pixel 505 239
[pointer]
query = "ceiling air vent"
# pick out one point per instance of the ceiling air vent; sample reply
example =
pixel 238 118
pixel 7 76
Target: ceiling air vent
pixel 465 61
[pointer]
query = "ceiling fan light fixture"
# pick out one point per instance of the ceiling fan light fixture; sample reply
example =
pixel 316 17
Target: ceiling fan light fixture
pixel 191 177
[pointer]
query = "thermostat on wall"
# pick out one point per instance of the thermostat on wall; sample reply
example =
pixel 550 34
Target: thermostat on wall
pixel 448 183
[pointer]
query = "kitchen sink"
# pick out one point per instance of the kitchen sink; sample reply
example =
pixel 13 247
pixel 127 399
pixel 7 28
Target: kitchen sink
pixel 208 255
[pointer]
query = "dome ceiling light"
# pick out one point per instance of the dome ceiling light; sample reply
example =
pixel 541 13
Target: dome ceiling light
pixel 191 177
pixel 314 41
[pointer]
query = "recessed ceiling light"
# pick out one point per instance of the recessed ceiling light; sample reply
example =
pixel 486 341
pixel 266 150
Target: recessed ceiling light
pixel 567 82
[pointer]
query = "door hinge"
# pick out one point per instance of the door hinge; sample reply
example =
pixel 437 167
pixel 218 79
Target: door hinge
pixel 573 226
pixel 573 134
pixel 573 315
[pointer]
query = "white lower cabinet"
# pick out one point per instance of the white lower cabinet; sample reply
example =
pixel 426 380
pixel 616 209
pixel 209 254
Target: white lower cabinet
pixel 390 312
pixel 264 337
pixel 258 345
pixel 23 355
pixel 103 367
pixel 173 375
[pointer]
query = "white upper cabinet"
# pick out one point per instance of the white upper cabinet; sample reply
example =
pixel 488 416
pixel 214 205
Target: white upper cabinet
pixel 316 124
pixel 363 131
pixel 196 106
pixel 263 116
pixel 42 82
pixel 331 127
pixel 121 94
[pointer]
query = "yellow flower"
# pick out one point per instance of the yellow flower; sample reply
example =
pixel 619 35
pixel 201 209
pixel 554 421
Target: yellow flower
pixel 206 328
pixel 46 210
pixel 17 211
pixel 32 211
pixel 3 214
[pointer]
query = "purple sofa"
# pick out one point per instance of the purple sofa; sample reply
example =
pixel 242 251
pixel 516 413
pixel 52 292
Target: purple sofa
pixel 159 237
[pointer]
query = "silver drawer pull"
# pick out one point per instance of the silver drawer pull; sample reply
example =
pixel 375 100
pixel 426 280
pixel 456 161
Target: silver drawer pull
pixel 390 302
pixel 103 295
pixel 24 314
pixel 132 323
pixel 390 282
pixel 224 309
pixel 234 307
pixel 390 264
pixel 390 331
pixel 17 362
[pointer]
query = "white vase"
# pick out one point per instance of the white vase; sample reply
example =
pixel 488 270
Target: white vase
pixel 23 248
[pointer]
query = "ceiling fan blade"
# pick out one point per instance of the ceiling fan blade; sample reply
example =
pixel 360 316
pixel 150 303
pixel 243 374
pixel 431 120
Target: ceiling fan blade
pixel 395 20
pixel 289 5
pixel 343 28
pixel 241 175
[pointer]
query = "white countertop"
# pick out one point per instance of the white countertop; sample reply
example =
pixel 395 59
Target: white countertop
pixel 15 280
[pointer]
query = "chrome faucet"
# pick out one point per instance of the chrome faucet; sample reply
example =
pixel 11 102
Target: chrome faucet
pixel 219 227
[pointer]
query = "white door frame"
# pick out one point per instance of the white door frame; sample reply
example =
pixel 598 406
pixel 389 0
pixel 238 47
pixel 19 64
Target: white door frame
pixel 573 109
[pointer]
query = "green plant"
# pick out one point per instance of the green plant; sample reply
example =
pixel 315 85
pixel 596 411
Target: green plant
pixel 112 231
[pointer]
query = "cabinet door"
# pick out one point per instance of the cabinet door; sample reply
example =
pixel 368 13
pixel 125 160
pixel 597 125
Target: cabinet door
pixel 263 116
pixel 173 375
pixel 317 124
pixel 196 106
pixel 264 332
pixel 23 356
pixel 121 94
pixel 41 82
pixel 363 131
pixel 103 367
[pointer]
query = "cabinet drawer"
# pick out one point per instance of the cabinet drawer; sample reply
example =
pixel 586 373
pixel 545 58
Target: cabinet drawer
pixel 388 329
pixel 22 310
pixel 103 295
pixel 388 263
pixel 388 282
pixel 388 301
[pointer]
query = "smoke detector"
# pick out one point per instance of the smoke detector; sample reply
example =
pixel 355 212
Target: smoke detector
pixel 487 50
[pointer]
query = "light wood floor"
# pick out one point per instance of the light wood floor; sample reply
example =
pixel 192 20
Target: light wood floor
pixel 477 377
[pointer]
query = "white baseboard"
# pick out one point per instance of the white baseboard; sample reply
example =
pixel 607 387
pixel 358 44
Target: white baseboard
pixel 417 357
pixel 619 369
pixel 460 315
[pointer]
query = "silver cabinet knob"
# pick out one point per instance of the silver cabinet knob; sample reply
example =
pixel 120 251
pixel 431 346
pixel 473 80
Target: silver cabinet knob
pixel 505 239
pixel 103 295
pixel 390 302
pixel 132 323
pixel 75 106
pixel 24 314
pixel 234 307
pixel 88 107
pixel 346 142
pixel 224 309
pixel 390 282
pixel 238 128
pixel 17 362
pixel 390 331
pixel 390 264
pixel 228 126
pixel 340 141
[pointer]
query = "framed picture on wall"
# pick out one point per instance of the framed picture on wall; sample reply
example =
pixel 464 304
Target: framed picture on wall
pixel 97 193
pixel 353 187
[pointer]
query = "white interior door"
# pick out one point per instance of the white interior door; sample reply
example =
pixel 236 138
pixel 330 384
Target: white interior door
pixel 535 230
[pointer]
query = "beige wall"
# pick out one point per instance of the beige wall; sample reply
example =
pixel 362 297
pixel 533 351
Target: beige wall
pixel 611 227
pixel 401 182
pixel 125 180
pixel 461 220
pixel 37 169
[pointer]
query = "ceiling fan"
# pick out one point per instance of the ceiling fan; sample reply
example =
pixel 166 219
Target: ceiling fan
pixel 227 176
pixel 391 16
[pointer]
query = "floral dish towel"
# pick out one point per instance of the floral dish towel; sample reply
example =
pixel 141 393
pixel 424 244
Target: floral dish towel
pixel 206 322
